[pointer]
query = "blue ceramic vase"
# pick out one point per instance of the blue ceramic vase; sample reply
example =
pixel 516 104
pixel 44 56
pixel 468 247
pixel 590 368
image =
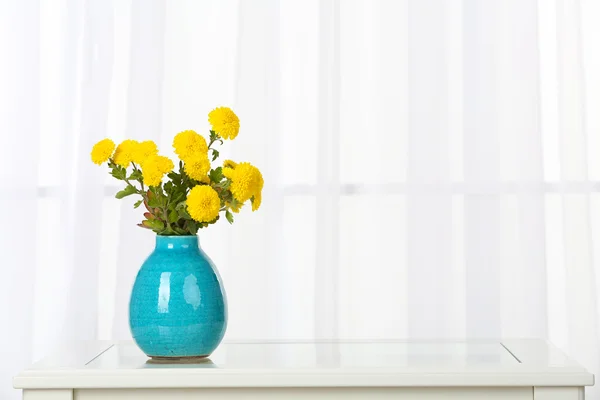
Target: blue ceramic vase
pixel 178 307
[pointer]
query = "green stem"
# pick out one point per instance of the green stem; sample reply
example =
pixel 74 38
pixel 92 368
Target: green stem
pixel 166 211
pixel 135 168
pixel 111 165
pixel 211 143
pixel 216 138
pixel 138 191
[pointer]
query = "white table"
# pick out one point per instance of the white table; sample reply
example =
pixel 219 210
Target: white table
pixel 491 370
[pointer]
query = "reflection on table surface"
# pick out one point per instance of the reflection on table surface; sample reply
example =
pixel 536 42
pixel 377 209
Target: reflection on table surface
pixel 324 355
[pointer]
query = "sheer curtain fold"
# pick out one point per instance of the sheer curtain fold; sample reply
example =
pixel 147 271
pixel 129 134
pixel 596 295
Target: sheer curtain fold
pixel 145 105
pixel 481 164
pixel 429 215
pixel 429 165
pixel 19 119
pixel 327 258
pixel 580 275
pixel 524 264
pixel 96 56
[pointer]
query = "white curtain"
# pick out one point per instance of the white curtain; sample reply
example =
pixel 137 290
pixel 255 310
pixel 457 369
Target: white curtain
pixel 430 165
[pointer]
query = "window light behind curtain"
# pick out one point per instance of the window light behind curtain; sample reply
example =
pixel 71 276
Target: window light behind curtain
pixel 430 165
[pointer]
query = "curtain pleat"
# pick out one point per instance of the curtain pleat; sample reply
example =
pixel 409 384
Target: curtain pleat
pixel 19 120
pixel 580 276
pixel 429 216
pixel 327 255
pixel 96 59
pixel 145 105
pixel 481 165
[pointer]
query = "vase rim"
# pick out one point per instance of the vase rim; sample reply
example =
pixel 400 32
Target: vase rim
pixel 177 241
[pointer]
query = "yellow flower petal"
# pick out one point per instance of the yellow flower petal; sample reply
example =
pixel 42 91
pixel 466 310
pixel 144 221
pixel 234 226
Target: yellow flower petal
pixel 124 153
pixel 256 201
pixel 102 151
pixel 246 181
pixel 224 122
pixel 203 203
pixel 143 150
pixel 155 168
pixel 197 167
pixel 229 164
pixel 188 144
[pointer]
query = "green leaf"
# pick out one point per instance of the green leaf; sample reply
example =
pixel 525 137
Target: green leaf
pixel 173 216
pixel 183 213
pixel 158 190
pixel 192 227
pixel 155 224
pixel 153 202
pixel 129 190
pixel 168 231
pixel 213 136
pixel 156 198
pixel 181 209
pixel 225 184
pixel 180 231
pixel 119 172
pixel 215 154
pixel 136 175
pixel 216 175
pixel 235 204
pixel 229 216
pixel 138 203
pixel 177 197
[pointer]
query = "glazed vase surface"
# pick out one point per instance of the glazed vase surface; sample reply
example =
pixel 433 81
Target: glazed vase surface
pixel 178 307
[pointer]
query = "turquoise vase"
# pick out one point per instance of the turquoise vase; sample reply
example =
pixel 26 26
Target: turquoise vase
pixel 178 307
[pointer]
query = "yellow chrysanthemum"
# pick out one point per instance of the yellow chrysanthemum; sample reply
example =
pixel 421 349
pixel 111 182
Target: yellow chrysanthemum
pixel 224 122
pixel 256 201
pixel 246 181
pixel 257 198
pixel 228 172
pixel 203 203
pixel 124 152
pixel 102 151
pixel 229 164
pixel 188 144
pixel 154 168
pixel 197 167
pixel 144 150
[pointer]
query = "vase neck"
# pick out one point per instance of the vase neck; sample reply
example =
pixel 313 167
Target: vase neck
pixel 176 243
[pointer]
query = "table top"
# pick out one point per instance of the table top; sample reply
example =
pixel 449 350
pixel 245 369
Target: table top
pixel 313 364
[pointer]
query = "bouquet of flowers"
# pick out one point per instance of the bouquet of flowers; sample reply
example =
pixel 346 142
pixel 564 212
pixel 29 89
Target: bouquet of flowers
pixel 193 195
